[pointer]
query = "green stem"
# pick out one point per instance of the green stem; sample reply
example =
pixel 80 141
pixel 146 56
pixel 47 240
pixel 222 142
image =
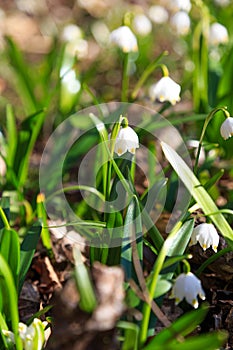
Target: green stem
pixel 200 58
pixel 208 119
pixel 146 311
pixel 187 266
pixel 211 259
pixel 125 79
pixel 147 72
pixel 4 218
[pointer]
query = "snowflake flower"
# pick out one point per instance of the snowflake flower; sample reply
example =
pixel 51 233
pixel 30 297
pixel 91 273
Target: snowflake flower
pixel 187 286
pixel 206 235
pixel 124 38
pixel 226 129
pixel 126 140
pixel 218 34
pixel 165 89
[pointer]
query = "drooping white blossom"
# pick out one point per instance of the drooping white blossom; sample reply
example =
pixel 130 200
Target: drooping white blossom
pixel 69 80
pixel 181 5
pixel 158 14
pixel 126 140
pixel 187 286
pixel 124 38
pixel 207 235
pixel 76 45
pixel 33 336
pixel 165 89
pixel 218 34
pixel 142 25
pixel 180 21
pixel 226 129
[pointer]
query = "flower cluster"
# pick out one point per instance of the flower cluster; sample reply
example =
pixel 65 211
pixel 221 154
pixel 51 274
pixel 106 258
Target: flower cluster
pixel 33 336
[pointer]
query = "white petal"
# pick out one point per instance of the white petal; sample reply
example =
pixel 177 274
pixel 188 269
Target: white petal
pixel 206 235
pixel 124 38
pixel 218 34
pixel 184 5
pixel 126 140
pixel 142 25
pixel 165 89
pixel 188 286
pixel 226 129
pixel 158 14
pixel 181 22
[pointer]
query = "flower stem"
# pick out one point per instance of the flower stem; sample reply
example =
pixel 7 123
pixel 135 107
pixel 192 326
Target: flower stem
pixel 125 79
pixel 208 119
pixel 187 266
pixel 146 311
pixel 211 259
pixel 147 72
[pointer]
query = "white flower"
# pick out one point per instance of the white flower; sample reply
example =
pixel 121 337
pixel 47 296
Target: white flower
pixel 71 32
pixel 181 22
pixel 126 140
pixel 142 25
pixel 69 80
pixel 165 89
pixel 187 286
pixel 206 235
pixel 183 5
pixel 100 32
pixel 9 335
pixel 226 129
pixel 33 337
pixel 76 45
pixel 158 14
pixel 124 38
pixel 218 34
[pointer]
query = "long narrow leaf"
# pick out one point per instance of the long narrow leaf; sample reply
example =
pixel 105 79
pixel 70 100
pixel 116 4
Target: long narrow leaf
pixel 27 251
pixel 5 272
pixel 198 191
pixel 181 327
pixel 9 249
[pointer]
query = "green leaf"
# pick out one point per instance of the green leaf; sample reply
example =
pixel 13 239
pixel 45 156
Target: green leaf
pixel 5 206
pixel 130 336
pixel 27 251
pixel 24 84
pixel 27 137
pixel 180 240
pixel 12 301
pixel 162 287
pixel 198 192
pixel 210 341
pixel 88 300
pixel 11 135
pixel 126 248
pixel 132 231
pixel 154 194
pixel 10 250
pixel 42 215
pixel 181 327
